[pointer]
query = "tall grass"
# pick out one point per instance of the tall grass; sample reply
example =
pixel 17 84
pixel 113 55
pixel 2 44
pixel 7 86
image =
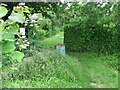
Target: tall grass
pixel 43 66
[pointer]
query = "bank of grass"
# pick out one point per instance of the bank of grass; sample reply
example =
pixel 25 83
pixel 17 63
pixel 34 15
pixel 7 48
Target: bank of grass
pixel 51 42
pixel 49 68
pixel 46 69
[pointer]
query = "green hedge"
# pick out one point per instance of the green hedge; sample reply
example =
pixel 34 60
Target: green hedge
pixel 87 36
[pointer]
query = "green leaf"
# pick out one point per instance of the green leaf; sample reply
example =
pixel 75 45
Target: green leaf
pixel 2 24
pixel 3 11
pixel 10 22
pixel 18 17
pixel 26 9
pixel 112 25
pixel 8 47
pixel 8 36
pixel 16 55
pixel 1 28
pixel 14 68
pixel 14 29
pixel 0 64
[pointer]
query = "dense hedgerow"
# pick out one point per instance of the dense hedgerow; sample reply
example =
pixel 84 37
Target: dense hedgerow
pixel 93 32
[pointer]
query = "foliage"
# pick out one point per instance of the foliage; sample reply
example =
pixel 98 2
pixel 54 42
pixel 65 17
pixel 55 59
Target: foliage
pixel 41 27
pixel 112 61
pixel 94 29
pixel 46 24
pixel 4 11
pixel 52 83
pixel 50 68
pixel 9 30
pixel 44 64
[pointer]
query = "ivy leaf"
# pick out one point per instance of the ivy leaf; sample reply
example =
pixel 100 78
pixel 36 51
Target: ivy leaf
pixel 18 17
pixel 16 55
pixel 8 36
pixel 3 11
pixel 8 47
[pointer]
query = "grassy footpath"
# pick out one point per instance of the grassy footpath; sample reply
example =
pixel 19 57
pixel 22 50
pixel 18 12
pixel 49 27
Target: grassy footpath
pixel 93 70
pixel 98 74
pixel 50 42
pixel 51 69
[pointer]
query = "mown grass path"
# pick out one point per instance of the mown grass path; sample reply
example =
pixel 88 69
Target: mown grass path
pixel 51 42
pixel 93 72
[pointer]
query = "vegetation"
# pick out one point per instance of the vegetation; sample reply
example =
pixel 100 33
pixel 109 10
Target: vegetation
pixel 10 29
pixel 29 59
pixel 94 29
pixel 51 42
pixel 59 71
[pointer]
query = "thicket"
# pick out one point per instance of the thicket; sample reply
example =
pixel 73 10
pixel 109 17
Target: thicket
pixel 93 29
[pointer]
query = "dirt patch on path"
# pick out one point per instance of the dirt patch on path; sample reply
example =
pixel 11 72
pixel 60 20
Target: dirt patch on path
pixel 98 85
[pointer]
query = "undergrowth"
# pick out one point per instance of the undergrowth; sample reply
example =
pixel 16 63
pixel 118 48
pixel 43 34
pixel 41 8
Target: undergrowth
pixel 42 66
pixel 49 68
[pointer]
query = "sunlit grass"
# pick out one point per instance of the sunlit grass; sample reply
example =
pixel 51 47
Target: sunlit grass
pixel 57 39
pixel 96 71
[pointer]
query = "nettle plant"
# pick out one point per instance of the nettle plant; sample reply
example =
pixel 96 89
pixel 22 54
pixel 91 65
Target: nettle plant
pixel 9 29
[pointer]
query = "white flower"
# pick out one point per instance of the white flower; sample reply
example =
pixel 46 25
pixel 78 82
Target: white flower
pixel 23 46
pixel 33 33
pixel 31 24
pixel 17 42
pixel 40 19
pixel 34 21
pixel 23 36
pixel 22 31
pixel 28 42
pixel 37 26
